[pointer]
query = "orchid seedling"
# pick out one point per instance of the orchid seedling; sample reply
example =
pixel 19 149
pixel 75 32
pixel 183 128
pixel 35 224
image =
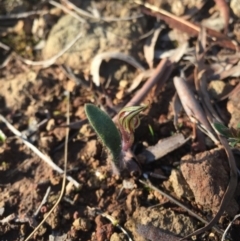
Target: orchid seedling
pixel 119 138
pixel 233 135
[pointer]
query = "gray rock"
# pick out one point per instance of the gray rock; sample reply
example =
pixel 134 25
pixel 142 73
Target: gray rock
pixel 98 36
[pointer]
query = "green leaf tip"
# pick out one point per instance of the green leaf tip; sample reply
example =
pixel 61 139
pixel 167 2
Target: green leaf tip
pixel 105 129
pixel 222 129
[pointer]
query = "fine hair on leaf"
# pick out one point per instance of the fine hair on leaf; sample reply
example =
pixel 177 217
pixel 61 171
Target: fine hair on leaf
pixel 106 130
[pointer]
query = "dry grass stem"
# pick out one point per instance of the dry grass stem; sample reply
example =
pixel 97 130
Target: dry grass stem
pixel 22 15
pixel 228 227
pixel 115 223
pixel 51 61
pixel 37 152
pixel 163 67
pixel 64 174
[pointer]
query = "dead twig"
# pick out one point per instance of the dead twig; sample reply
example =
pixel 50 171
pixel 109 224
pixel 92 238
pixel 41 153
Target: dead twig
pixel 39 153
pixel 139 78
pixel 165 66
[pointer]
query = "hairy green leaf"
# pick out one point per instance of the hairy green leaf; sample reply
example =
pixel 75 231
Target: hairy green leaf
pixel 222 129
pixel 105 129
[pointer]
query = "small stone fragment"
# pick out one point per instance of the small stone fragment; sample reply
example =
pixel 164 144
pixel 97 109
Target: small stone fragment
pixel 207 177
pixel 103 231
pixel 235 6
pixel 118 237
pixel 82 224
pixel 53 220
pixel 178 184
pixel 218 88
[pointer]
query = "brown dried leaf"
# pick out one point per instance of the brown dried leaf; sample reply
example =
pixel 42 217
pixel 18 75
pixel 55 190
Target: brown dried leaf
pixel 224 9
pixel 97 61
pixel 163 147
pixel 155 234
pixel 233 72
pixel 176 106
pixel 137 81
pixel 186 26
pixel 192 107
pixel 149 46
pixel 201 78
pixel 173 53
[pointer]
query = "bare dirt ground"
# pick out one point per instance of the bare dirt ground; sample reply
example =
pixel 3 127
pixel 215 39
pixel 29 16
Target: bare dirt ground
pixel 33 86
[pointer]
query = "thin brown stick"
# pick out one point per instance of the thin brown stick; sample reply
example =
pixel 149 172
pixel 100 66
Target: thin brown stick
pixel 22 15
pixel 160 74
pixel 149 184
pixel 187 26
pixel 44 157
pixel 164 66
pixel 52 60
pixel 64 176
pixel 166 13
pixel 224 9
